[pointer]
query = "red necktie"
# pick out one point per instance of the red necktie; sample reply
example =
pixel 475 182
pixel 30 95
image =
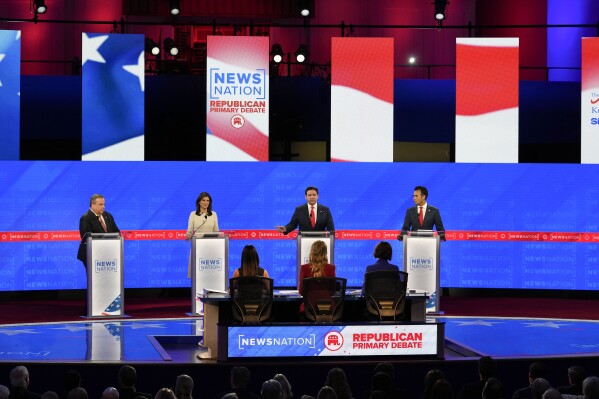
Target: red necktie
pixel 312 216
pixel 420 217
pixel 103 224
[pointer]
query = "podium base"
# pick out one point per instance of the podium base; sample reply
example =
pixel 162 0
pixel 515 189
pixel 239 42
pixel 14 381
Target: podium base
pixel 105 317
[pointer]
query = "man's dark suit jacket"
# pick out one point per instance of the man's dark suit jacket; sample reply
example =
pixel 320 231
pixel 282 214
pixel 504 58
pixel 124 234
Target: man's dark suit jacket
pixel 89 223
pixel 301 218
pixel 22 393
pixel 432 217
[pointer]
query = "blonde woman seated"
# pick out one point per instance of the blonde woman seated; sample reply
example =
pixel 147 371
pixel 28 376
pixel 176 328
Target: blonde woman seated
pixel 319 265
pixel 250 264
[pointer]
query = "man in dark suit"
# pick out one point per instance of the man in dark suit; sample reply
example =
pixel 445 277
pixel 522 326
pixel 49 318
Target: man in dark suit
pixel 311 216
pixel 95 220
pixel 422 216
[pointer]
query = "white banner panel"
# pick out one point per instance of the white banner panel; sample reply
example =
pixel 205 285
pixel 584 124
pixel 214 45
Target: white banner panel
pixel 589 101
pixel 237 98
pixel 105 281
pixel 209 268
pixel 421 258
pixel 362 99
pixel 487 100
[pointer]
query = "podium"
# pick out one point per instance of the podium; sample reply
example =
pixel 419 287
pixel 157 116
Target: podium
pixel 209 267
pixel 421 260
pixel 305 239
pixel 105 277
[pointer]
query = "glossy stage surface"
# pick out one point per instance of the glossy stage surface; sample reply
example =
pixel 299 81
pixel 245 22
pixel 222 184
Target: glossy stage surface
pixel 176 340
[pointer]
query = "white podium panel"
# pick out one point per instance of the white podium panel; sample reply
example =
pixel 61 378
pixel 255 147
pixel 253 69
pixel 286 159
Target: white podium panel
pixel 105 292
pixel 421 262
pixel 304 244
pixel 209 267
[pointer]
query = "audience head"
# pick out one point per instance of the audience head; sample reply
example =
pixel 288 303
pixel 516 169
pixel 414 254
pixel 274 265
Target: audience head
pixel 110 393
pixel 590 387
pixel 77 393
pixel 250 261
pixel 493 389
pixel 385 367
pixel 4 392
pixel 271 389
pixel 183 387
pixel 382 382
pixel 442 390
pixel 487 366
pixel 127 376
pixel 538 387
pixel 552 393
pixel 383 250
pixel 430 378
pixel 337 380
pixel 285 386
pixel 200 197
pixel 240 377
pixel 230 395
pixel 576 375
pixel 537 370
pixel 318 258
pixel 19 377
pixel 165 393
pixel 50 395
pixel 326 392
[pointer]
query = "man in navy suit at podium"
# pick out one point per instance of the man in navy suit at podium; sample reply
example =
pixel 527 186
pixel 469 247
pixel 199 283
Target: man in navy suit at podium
pixel 95 220
pixel 311 216
pixel 422 216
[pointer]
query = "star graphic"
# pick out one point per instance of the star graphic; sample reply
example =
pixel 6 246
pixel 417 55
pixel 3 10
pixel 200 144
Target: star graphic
pixel 89 49
pixel 138 69
pixel 547 324
pixel 74 328
pixel 18 332
pixel 477 323
pixel 136 326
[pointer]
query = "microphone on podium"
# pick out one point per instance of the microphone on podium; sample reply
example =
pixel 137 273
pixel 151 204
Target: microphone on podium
pixel 199 227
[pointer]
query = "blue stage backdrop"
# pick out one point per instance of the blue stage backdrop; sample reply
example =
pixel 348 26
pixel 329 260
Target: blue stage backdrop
pixel 51 196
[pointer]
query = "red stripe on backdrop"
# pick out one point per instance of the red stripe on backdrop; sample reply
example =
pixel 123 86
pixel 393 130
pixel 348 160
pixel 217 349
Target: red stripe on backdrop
pixel 356 64
pixel 590 63
pixel 248 139
pixel 486 79
pixel 457 235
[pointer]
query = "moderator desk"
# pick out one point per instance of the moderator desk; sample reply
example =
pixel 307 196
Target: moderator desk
pixel 217 309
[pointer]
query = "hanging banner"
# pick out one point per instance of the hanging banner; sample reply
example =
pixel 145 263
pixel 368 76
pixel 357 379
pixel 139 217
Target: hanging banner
pixel 486 128
pixel 589 101
pixel 362 99
pixel 10 92
pixel 237 98
pixel 112 97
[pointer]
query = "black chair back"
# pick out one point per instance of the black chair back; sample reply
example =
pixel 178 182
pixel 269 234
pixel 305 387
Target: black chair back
pixel 385 293
pixel 251 298
pixel 323 298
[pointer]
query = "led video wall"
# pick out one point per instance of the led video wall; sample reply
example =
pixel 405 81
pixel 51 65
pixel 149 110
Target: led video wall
pixel 45 196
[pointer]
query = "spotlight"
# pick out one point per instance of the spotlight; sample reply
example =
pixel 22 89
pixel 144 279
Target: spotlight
pixel 277 53
pixel 440 9
pixel 412 60
pixel 170 47
pixel 40 6
pixel 152 47
pixel 174 7
pixel 302 53
pixel 304 8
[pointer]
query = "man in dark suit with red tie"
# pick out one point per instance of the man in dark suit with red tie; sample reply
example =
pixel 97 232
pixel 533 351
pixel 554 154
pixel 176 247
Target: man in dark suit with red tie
pixel 95 220
pixel 422 216
pixel 311 216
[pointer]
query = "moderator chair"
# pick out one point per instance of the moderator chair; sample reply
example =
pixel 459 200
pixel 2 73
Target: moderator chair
pixel 323 298
pixel 385 293
pixel 251 298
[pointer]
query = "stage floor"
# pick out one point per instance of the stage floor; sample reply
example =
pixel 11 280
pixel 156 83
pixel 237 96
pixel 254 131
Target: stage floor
pixel 144 340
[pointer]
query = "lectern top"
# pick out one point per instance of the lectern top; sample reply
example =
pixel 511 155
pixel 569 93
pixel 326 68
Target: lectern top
pixel 104 235
pixel 315 233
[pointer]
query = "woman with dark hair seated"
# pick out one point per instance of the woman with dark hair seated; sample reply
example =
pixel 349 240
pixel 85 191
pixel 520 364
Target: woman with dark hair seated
pixel 250 264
